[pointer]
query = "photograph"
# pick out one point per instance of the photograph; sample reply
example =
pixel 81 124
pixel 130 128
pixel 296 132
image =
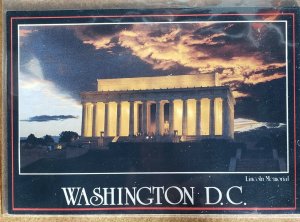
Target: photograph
pixel 152 111
pixel 153 97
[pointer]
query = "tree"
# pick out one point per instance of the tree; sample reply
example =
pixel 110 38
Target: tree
pixel 48 140
pixel 31 139
pixel 68 136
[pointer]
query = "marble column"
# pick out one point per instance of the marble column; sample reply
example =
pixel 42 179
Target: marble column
pixel 198 117
pixel 145 117
pixel 83 119
pixel 131 118
pixel 159 118
pixel 184 117
pixel 212 117
pixel 171 117
pixel 119 119
pixel 225 118
pixel 94 120
pixel 89 122
pixel 106 119
pixel 231 122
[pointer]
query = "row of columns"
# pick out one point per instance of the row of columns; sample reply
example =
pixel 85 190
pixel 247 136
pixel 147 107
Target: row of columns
pixel 159 118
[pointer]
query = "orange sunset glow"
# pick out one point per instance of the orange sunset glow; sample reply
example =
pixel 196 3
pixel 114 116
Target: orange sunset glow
pixel 247 56
pixel 167 46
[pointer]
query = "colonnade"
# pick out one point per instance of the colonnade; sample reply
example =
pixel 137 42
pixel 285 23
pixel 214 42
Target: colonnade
pixel 187 117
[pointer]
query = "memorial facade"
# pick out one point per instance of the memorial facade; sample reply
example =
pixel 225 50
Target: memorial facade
pixel 181 105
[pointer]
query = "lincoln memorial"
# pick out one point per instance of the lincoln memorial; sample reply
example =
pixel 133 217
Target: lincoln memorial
pixel 185 106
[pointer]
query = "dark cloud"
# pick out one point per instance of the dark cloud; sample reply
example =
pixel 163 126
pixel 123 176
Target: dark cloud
pixel 232 31
pixel 93 32
pixel 270 71
pixel 266 102
pixel 74 67
pixel 46 118
pixel 265 40
pixel 250 57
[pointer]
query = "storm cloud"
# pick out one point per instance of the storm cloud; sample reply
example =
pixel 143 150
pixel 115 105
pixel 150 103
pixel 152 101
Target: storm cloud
pixel 239 53
pixel 247 56
pixel 46 118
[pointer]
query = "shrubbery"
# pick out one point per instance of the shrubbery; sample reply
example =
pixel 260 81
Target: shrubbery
pixel 43 141
pixel 64 137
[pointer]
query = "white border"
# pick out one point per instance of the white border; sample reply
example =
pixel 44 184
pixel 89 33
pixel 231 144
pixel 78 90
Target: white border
pixel 149 173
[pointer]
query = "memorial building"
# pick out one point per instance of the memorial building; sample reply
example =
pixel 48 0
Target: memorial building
pixel 186 106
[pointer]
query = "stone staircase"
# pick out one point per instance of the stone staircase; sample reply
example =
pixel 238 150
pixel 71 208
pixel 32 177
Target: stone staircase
pixel 257 160
pixel 257 165
pixel 145 139
pixel 115 139
pixel 197 138
pixel 188 138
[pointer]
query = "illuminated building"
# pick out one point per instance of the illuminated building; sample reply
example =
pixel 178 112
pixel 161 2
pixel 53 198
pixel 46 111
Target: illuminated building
pixel 197 107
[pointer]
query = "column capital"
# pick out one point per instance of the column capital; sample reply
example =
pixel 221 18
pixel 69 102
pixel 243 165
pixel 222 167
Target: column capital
pixel 225 98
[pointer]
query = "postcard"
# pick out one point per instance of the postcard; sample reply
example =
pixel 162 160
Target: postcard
pixel 166 111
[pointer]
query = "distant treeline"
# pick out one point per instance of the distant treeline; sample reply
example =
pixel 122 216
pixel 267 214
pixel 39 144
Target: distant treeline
pixel 64 137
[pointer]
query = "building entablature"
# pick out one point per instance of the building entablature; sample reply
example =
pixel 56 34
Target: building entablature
pixel 156 95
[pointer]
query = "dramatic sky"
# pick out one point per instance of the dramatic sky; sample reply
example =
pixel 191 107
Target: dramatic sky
pixel 59 62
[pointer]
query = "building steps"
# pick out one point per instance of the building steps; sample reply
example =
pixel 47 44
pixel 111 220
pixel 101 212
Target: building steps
pixel 260 165
pixel 115 139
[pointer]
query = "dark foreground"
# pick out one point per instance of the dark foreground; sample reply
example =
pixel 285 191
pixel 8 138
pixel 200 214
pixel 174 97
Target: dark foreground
pixel 210 156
